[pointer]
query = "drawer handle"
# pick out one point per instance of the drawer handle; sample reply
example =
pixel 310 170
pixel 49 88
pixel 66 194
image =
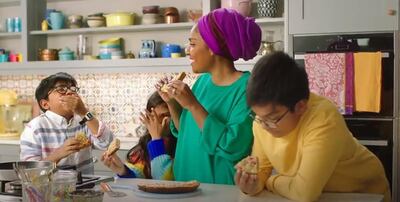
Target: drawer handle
pixel 382 143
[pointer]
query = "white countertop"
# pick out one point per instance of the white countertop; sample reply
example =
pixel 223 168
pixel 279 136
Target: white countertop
pixel 222 193
pixel 9 141
pixel 125 145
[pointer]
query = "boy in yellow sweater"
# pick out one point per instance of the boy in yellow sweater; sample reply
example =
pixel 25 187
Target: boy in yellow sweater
pixel 304 138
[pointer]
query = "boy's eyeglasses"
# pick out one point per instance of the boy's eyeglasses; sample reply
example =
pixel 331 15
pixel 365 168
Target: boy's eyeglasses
pixel 64 89
pixel 269 123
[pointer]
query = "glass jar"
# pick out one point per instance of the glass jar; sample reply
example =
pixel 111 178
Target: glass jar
pixel 64 182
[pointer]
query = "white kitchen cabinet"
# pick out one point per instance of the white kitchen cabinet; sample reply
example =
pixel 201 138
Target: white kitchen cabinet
pixel 332 16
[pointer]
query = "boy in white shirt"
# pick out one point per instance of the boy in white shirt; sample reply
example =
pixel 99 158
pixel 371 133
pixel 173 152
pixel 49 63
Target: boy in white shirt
pixel 51 136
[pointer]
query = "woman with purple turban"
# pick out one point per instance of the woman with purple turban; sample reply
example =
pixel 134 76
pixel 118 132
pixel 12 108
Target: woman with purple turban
pixel 211 120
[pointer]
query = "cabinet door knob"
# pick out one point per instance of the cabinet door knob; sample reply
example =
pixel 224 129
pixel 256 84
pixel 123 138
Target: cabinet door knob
pixel 391 12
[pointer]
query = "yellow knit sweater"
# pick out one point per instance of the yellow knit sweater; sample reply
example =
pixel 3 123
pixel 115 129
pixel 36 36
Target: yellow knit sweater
pixel 319 155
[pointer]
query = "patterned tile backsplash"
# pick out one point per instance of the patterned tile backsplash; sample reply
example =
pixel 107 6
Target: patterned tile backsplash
pixel 116 99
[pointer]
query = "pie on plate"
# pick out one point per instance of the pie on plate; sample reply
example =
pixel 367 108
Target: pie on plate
pixel 169 187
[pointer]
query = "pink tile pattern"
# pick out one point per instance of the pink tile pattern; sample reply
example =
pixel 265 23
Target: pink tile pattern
pixel 326 75
pixel 115 98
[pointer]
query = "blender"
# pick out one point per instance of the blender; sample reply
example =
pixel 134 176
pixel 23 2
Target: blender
pixel 12 115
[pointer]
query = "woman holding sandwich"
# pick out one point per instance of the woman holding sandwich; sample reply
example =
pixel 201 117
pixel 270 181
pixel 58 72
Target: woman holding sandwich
pixel 211 121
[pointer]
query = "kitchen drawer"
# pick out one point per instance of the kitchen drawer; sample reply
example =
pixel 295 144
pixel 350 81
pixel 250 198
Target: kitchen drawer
pixel 377 136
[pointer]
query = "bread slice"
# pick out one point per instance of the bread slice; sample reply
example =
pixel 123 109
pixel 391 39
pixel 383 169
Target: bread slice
pixel 113 147
pixel 249 165
pixel 83 140
pixel 169 187
pixel 179 77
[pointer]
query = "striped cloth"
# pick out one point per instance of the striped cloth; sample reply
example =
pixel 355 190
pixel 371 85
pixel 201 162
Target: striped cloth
pixel 48 132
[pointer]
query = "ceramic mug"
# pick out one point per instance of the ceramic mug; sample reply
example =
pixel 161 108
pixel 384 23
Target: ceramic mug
pixel 167 49
pixel 3 58
pixel 56 20
pixel 13 57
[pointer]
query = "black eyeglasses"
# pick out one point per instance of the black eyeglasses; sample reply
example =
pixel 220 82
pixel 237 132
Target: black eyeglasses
pixel 64 89
pixel 269 123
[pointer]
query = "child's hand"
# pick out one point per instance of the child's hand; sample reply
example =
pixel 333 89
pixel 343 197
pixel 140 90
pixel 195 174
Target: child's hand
pixel 114 163
pixel 156 127
pixel 72 102
pixel 248 183
pixel 164 95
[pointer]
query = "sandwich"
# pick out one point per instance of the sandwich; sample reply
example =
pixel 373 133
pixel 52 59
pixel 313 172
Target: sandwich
pixel 248 165
pixel 179 77
pixel 113 147
pixel 83 140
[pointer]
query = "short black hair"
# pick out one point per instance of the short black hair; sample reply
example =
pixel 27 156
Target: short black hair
pixel 277 79
pixel 42 91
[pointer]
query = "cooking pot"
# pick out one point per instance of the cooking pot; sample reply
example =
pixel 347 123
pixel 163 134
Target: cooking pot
pixel 7 172
pixel 36 168
pixel 120 19
pixel 48 54
pixel 171 15
pixel 66 54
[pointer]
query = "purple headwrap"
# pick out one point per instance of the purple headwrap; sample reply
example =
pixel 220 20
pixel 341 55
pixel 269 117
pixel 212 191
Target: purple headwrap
pixel 229 34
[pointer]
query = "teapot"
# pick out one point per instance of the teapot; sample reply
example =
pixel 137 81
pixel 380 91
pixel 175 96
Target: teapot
pixel 148 49
pixel 267 47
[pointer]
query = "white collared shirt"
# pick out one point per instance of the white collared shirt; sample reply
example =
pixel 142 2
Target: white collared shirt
pixel 48 132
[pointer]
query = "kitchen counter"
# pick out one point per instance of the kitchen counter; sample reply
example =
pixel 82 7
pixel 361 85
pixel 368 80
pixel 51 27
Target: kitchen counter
pixel 9 141
pixel 222 193
pixel 125 145
pixel 10 150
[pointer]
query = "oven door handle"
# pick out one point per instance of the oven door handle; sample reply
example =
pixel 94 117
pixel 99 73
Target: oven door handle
pixel 379 143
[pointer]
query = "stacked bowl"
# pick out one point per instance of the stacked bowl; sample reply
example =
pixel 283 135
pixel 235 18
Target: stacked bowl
pixel 96 20
pixel 110 48
pixel 151 15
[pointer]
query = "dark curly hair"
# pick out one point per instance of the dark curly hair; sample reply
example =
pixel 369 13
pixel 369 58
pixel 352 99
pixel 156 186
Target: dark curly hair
pixel 139 152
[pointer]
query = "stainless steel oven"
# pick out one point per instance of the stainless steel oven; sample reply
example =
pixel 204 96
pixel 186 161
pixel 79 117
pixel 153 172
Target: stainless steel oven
pixel 379 132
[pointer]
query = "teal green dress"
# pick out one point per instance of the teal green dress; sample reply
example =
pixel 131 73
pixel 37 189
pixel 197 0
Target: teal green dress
pixel 209 155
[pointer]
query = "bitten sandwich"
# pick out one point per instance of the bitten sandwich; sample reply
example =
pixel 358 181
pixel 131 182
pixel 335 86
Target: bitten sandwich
pixel 179 77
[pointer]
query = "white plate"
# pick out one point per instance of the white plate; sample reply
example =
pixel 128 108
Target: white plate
pixel 144 194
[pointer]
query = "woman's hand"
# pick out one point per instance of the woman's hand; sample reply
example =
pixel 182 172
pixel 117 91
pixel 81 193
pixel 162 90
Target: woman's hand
pixel 156 127
pixel 114 163
pixel 182 93
pixel 248 183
